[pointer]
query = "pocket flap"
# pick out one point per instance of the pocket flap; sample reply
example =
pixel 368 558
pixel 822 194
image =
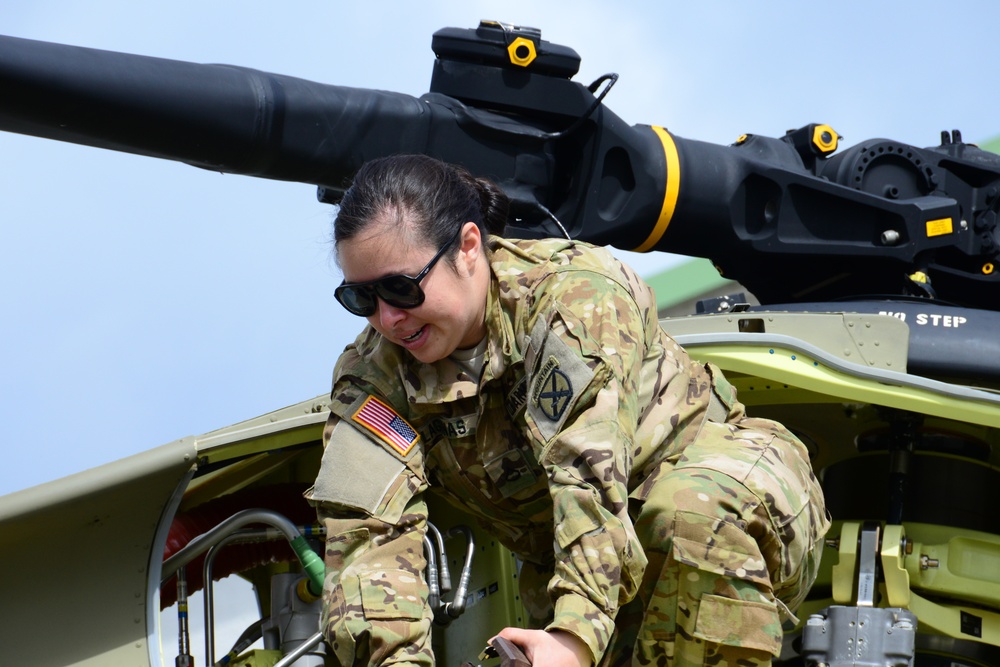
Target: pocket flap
pixel 743 623
pixel 391 595
pixel 712 545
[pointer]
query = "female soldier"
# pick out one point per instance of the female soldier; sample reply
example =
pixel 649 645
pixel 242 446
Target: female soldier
pixel 530 381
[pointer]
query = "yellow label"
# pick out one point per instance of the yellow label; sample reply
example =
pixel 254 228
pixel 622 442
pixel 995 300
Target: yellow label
pixel 939 227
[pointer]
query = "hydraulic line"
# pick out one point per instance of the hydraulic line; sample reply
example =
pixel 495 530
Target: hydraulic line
pixel 184 658
pixel 444 576
pixel 300 650
pixel 455 608
pixel 209 597
pixel 284 498
pixel 250 635
pixel 433 587
pixel 445 612
pixel 312 564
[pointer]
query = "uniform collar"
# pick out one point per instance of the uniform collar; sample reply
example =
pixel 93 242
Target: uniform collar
pixel 443 381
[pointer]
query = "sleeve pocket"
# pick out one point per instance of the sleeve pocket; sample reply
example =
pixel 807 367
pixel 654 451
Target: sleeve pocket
pixel 391 595
pixel 580 515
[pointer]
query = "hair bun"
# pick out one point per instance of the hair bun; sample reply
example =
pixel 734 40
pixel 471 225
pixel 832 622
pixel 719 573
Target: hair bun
pixel 495 205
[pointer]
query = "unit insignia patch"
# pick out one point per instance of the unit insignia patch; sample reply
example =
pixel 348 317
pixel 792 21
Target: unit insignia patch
pixel 554 392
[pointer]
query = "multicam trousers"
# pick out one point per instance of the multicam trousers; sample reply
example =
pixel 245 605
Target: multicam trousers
pixel 733 531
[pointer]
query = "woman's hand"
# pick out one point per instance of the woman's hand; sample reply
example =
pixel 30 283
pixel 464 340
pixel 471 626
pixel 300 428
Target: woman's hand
pixel 549 649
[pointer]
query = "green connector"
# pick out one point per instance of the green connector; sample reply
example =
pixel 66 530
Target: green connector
pixel 311 563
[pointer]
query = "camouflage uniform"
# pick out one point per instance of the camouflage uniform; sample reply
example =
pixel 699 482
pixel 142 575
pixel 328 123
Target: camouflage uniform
pixel 656 522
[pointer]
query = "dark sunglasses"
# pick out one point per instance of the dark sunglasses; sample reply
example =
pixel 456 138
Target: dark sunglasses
pixel 397 290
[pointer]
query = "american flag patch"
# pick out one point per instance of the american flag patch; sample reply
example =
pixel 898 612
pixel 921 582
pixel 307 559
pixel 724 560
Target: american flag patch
pixel 383 421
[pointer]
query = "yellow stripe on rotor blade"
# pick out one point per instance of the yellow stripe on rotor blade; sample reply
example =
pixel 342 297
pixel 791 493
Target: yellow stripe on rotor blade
pixel 670 194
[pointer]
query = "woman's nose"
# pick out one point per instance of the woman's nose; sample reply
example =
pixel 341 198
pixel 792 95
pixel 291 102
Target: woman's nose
pixel 388 315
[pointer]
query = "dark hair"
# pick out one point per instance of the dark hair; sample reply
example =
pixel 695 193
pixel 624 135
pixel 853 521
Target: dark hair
pixel 437 197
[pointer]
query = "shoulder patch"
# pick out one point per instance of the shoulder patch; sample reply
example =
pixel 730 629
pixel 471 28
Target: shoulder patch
pixel 355 472
pixel 387 425
pixel 553 391
pixel 560 374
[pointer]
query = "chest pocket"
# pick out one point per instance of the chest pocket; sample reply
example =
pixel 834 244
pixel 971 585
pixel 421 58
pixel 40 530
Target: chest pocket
pixel 457 475
pixel 508 461
pixel 507 489
pixel 512 473
pixel 522 524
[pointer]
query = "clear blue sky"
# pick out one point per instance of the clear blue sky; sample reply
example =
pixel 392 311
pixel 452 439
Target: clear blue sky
pixel 146 300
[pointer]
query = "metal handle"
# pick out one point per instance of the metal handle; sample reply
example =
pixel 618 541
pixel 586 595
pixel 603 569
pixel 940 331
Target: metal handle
pixel 510 654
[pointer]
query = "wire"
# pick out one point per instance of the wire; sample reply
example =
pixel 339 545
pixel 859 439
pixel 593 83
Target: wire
pixel 551 215
pixel 612 79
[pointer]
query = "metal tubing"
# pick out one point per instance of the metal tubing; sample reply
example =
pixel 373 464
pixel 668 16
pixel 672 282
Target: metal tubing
pixel 433 588
pixel 207 540
pixel 457 605
pixel 209 596
pixel 444 576
pixel 184 658
pixel 300 650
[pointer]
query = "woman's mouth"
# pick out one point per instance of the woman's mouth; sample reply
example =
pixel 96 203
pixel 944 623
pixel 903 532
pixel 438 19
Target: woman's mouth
pixel 415 336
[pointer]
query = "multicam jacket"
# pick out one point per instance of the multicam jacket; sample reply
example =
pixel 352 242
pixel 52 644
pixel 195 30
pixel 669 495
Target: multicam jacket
pixel 581 396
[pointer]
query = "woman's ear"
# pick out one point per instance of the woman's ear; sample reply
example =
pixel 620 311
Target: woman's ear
pixel 470 249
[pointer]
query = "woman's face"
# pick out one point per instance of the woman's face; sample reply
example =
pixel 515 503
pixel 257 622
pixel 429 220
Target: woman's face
pixel 453 314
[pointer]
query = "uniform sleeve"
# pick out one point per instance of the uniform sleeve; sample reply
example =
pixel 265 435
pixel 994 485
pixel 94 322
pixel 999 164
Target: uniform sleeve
pixel 589 346
pixel 369 498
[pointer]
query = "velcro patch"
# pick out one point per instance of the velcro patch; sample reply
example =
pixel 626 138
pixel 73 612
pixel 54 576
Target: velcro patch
pixel 387 425
pixel 517 398
pixel 560 374
pixel 454 427
pixel 554 390
pixel 355 472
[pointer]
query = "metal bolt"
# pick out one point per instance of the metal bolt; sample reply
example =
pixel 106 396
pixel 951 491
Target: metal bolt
pixel 890 237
